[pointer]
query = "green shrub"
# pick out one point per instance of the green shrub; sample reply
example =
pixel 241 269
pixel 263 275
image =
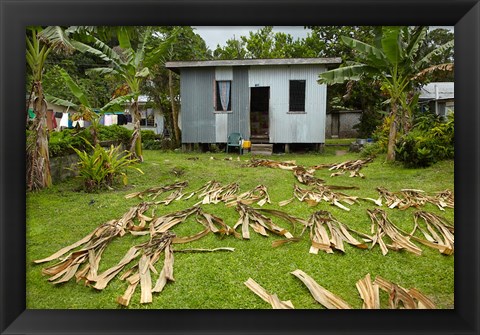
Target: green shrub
pixel 103 168
pixel 371 150
pixel 430 141
pixel 152 141
pixel 114 133
pixel 61 142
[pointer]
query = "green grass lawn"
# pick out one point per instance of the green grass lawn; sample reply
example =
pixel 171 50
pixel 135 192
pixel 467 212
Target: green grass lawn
pixel 60 216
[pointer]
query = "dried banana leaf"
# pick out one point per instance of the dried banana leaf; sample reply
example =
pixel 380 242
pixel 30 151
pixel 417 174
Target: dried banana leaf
pixel 213 192
pixel 407 198
pixel 251 217
pixel 285 216
pixel 327 233
pixel 369 293
pixel 320 192
pixel 306 177
pixel 90 254
pixel 438 232
pixel 354 166
pixel 286 165
pixel 154 192
pixel 272 299
pixel 258 195
pixel 319 293
pixel 400 297
pixel 382 226
pixel 140 273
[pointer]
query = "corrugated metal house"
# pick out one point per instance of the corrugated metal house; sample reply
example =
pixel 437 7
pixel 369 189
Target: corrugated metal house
pixel 439 96
pixel 266 100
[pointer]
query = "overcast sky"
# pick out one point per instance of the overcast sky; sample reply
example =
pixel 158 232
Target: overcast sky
pixel 214 35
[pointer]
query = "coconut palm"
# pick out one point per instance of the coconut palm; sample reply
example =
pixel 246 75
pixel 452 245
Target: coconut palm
pixel 38 48
pixel 395 61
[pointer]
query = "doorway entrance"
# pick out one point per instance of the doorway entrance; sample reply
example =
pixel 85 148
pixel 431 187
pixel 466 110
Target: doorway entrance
pixel 259 116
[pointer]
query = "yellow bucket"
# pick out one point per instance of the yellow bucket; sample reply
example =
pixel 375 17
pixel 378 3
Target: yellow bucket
pixel 246 144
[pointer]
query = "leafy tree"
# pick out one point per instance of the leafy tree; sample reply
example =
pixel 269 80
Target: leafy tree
pixel 263 43
pixel 38 160
pixel 393 60
pixel 127 64
pixel 233 49
pixel 171 44
pixel 84 109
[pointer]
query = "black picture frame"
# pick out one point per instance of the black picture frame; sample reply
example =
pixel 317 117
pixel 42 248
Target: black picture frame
pixel 15 15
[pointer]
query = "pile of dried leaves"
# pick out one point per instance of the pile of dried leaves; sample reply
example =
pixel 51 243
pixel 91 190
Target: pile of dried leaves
pixel 320 192
pixel 383 228
pixel 287 165
pixel 213 192
pixel 252 218
pixel 258 195
pixel 398 297
pixel 90 254
pixel 154 192
pixel 329 234
pixel 354 166
pixel 438 232
pixel 272 299
pixel 147 254
pixel 407 198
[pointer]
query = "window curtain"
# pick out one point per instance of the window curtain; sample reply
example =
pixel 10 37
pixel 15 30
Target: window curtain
pixel 224 90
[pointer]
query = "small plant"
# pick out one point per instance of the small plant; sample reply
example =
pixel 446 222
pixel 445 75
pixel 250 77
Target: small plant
pixel 430 141
pixel 103 168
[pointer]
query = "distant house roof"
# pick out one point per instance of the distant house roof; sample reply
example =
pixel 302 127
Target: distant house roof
pixel 249 62
pixel 437 91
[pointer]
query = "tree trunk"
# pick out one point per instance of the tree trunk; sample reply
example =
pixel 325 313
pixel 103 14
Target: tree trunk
pixel 176 129
pixel 136 141
pixel 392 134
pixel 38 160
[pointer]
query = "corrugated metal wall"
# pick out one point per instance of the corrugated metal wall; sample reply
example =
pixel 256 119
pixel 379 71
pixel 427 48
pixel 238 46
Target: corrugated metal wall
pixel 285 127
pixel 239 119
pixel 198 119
pixel 201 124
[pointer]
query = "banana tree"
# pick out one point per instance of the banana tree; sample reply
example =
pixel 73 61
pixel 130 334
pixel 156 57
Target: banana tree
pixel 128 65
pixel 84 109
pixel 394 59
pixel 40 42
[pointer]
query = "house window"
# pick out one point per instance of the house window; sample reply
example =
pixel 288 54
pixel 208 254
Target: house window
pixel 223 96
pixel 297 96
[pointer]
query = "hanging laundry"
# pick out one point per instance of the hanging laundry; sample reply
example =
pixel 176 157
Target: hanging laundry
pixel 108 120
pixel 114 119
pixel 64 120
pixel 51 122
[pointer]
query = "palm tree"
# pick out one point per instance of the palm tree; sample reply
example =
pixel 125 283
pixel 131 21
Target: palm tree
pixel 39 44
pixel 127 64
pixel 396 62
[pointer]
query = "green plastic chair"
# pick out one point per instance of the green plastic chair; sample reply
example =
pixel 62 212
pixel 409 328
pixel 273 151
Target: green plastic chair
pixel 235 140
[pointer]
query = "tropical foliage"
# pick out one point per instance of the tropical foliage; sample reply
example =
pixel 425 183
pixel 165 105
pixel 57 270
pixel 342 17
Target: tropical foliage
pixel 38 162
pixel 395 61
pixel 102 168
pixel 430 141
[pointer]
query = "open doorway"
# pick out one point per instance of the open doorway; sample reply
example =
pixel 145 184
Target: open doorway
pixel 259 117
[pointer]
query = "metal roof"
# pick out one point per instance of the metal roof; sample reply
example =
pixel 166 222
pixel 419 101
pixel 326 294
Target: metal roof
pixel 437 91
pixel 253 62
